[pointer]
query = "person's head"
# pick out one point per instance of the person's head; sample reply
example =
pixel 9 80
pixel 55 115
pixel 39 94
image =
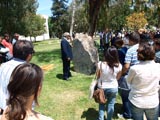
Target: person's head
pixel 24 87
pixel 6 37
pixel 111 57
pixel 145 38
pixel 145 52
pixel 106 30
pixel 23 50
pixel 157 42
pixel 67 35
pixel 119 43
pixel 141 31
pixel 16 36
pixel 134 38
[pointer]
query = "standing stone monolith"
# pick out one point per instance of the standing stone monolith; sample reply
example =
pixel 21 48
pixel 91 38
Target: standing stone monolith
pixel 85 54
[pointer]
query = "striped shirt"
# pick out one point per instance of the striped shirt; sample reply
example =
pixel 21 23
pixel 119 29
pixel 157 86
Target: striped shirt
pixel 157 59
pixel 131 55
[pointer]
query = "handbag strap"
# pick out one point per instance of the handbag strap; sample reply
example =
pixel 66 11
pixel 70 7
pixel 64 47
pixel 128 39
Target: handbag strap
pixel 100 71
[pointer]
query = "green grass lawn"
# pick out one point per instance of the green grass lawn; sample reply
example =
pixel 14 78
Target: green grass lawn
pixel 64 100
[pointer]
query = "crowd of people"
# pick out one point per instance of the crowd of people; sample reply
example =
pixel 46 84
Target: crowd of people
pixel 139 54
pixel 20 82
pixel 130 67
pixel 6 46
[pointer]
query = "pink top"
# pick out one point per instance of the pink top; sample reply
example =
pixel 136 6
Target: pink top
pixel 8 45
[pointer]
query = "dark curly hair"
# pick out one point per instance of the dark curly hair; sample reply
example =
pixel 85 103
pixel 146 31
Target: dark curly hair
pixel 146 52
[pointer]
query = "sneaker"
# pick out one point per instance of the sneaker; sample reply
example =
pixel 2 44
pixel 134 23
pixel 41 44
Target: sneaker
pixel 121 117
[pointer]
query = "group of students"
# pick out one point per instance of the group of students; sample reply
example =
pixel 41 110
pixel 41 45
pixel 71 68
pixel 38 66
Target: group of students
pixel 20 85
pixel 6 47
pixel 138 77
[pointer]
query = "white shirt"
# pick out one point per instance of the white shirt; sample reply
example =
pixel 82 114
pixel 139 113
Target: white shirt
pixel 5 73
pixel 108 76
pixel 4 50
pixel 144 82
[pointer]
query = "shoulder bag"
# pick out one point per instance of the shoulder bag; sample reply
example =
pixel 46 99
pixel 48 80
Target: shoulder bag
pixel 98 94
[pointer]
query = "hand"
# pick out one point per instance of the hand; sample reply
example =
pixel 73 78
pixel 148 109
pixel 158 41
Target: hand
pixel 68 59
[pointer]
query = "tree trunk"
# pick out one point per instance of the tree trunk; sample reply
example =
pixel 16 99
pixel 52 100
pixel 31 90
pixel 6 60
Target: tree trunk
pixel 158 17
pixel 30 38
pixel 73 14
pixel 94 7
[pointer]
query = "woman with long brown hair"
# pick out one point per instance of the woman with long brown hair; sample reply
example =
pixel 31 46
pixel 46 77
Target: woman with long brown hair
pixel 24 88
pixel 110 71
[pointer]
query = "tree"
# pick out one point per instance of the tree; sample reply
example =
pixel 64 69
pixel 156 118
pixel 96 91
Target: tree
pixel 50 25
pixel 136 21
pixel 155 9
pixel 60 17
pixel 94 7
pixel 80 18
pixel 34 25
pixel 151 9
pixel 12 13
pixel 37 26
pixel 73 16
pixel 113 15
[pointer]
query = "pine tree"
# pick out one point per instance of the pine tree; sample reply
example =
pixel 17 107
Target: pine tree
pixel 59 17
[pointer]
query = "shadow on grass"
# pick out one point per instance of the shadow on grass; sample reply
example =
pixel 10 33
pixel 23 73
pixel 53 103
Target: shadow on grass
pixel 47 56
pixel 59 76
pixel 72 68
pixel 92 114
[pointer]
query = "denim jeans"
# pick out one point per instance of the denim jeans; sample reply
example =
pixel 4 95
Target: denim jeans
pixel 125 102
pixel 137 113
pixel 110 94
pixel 124 93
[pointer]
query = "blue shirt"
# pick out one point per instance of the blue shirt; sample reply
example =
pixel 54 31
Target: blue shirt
pixel 131 55
pixel 157 59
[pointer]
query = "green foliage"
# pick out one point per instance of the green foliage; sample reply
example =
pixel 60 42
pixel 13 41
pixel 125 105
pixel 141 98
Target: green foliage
pixel 151 9
pixel 50 26
pixel 36 26
pixel 33 25
pixel 113 16
pixel 12 13
pixel 153 14
pixel 81 17
pixel 59 17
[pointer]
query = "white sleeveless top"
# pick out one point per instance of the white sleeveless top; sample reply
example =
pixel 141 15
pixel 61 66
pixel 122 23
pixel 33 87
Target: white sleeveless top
pixel 108 76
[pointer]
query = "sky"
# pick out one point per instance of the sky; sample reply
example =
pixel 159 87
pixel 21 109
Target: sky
pixel 45 7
